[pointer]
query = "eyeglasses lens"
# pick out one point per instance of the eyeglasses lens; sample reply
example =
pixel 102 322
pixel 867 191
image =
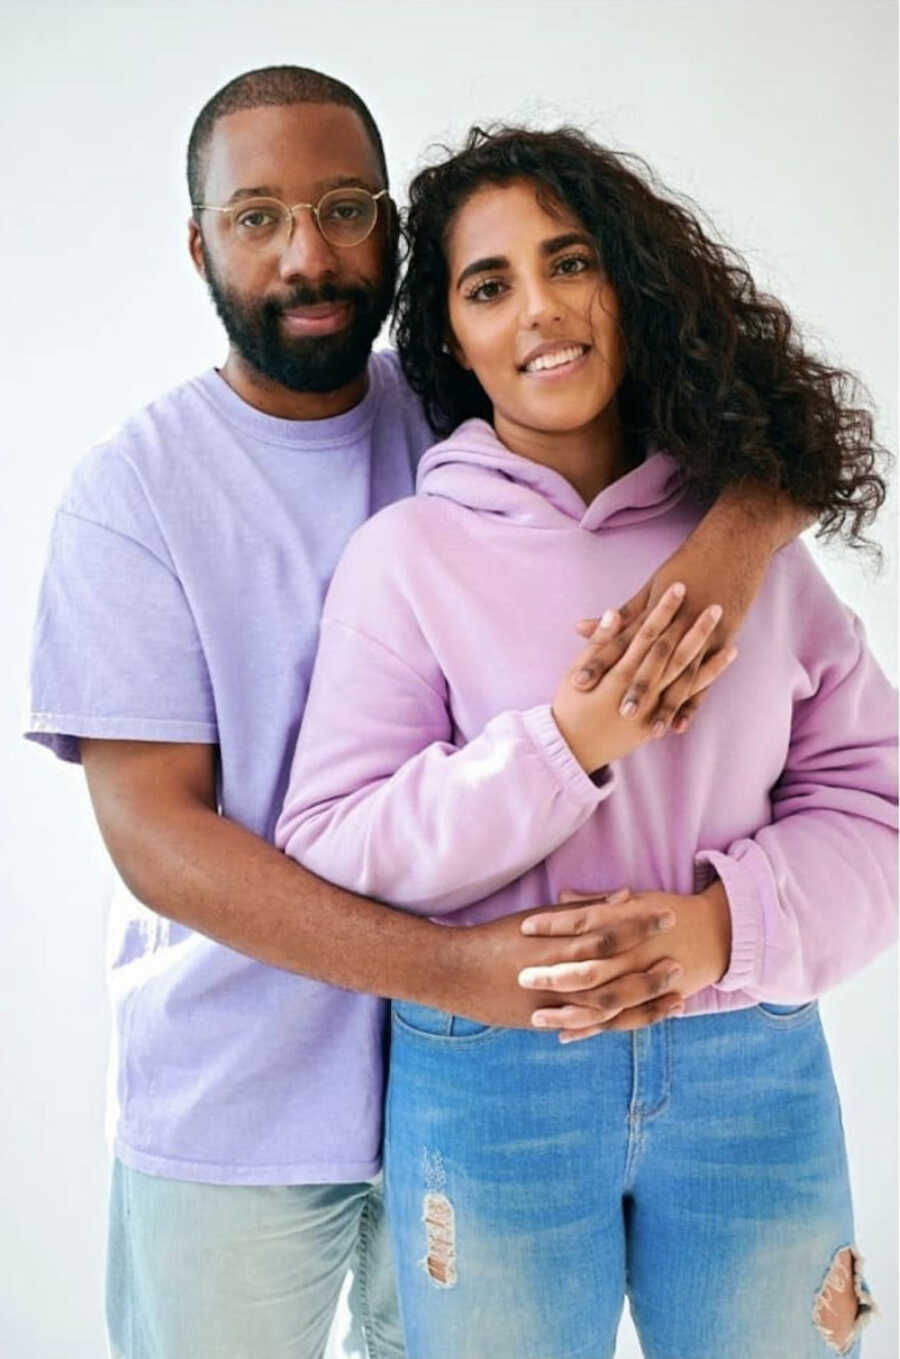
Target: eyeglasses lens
pixel 344 216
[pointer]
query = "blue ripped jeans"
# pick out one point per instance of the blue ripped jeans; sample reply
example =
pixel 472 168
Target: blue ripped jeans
pixel 697 1166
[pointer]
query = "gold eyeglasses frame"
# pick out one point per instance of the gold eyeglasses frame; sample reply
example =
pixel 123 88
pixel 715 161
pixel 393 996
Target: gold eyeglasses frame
pixel 288 212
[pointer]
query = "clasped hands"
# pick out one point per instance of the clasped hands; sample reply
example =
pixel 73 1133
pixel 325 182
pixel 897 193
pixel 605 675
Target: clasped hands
pixel 632 958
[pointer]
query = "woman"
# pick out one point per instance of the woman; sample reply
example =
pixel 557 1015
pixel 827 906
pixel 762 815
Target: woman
pixel 569 323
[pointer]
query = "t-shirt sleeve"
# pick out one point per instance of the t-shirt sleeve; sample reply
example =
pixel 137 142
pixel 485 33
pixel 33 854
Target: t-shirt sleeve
pixel 116 651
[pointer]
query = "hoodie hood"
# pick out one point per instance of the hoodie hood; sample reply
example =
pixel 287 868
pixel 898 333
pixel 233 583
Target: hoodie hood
pixel 473 468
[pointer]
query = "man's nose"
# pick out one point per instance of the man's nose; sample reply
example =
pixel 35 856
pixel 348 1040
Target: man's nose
pixel 306 254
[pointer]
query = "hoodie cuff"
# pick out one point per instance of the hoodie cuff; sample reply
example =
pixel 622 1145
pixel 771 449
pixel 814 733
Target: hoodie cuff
pixel 587 789
pixel 747 918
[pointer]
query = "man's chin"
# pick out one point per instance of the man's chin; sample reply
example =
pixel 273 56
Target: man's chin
pixel 307 367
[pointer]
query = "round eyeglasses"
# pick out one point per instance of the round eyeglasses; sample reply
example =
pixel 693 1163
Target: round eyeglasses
pixel 343 216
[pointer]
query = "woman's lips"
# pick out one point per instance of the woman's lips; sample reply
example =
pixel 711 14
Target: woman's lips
pixel 321 319
pixel 561 370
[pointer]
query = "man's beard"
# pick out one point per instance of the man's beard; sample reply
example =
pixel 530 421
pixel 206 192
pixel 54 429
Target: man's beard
pixel 315 363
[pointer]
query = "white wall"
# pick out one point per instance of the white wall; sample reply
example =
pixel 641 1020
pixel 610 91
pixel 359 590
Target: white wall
pixel 778 118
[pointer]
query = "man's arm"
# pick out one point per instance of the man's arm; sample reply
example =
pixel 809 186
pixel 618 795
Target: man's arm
pixel 155 804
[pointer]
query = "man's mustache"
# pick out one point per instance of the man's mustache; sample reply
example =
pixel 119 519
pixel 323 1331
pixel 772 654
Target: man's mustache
pixel 311 297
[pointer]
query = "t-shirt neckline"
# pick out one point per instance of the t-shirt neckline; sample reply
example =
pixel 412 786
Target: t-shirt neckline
pixel 272 429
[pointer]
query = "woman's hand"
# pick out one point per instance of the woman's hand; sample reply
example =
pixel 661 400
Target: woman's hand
pixel 608 719
pixel 602 990
pixel 723 561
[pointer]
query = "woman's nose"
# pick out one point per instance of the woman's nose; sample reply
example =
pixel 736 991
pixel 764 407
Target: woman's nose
pixel 540 304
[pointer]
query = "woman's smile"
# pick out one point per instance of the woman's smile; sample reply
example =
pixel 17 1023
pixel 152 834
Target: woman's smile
pixel 555 360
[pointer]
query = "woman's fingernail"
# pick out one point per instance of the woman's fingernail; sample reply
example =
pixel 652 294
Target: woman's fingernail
pixel 674 972
pixel 658 728
pixel 678 590
pixel 628 707
pixel 682 725
pixel 715 612
pixel 608 618
pixel 622 894
pixel 530 977
pixel 731 655
pixel 538 1020
pixel 584 676
pixel 666 921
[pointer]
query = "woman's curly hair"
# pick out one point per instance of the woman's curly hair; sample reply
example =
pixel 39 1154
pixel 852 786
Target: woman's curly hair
pixel 716 373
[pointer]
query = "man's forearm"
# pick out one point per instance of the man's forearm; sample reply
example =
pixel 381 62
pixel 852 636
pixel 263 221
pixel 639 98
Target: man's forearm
pixel 156 808
pixel 771 516
pixel 216 877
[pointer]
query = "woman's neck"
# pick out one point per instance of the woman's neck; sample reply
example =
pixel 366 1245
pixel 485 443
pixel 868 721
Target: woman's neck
pixel 590 458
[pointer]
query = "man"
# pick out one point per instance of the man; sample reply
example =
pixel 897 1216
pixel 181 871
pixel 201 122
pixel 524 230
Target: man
pixel 175 638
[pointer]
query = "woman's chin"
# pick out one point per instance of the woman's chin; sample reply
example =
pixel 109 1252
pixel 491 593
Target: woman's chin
pixel 546 419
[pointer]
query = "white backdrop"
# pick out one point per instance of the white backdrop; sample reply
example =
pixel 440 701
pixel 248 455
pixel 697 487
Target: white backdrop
pixel 779 118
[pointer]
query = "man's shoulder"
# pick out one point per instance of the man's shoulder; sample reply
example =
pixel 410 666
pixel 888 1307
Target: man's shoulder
pixel 397 394
pixel 121 468
pixel 386 363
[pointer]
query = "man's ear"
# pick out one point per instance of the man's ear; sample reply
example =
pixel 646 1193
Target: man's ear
pixel 393 224
pixel 195 247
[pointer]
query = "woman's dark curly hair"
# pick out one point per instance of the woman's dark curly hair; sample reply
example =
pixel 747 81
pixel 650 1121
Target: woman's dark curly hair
pixel 716 373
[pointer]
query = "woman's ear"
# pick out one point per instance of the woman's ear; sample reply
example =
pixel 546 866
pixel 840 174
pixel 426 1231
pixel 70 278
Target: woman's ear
pixel 452 347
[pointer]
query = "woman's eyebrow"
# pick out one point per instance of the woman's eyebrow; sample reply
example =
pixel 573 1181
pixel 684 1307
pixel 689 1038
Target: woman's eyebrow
pixel 481 266
pixel 568 238
pixel 549 247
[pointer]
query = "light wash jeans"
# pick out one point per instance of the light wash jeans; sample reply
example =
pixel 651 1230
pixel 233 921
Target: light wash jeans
pixel 199 1271
pixel 696 1166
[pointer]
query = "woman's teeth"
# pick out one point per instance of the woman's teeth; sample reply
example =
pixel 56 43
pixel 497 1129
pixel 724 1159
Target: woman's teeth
pixel 556 359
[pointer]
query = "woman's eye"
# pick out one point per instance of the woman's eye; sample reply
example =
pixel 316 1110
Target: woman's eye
pixel 573 264
pixel 487 291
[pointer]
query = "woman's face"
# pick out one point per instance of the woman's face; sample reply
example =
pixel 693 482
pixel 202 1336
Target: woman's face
pixel 531 312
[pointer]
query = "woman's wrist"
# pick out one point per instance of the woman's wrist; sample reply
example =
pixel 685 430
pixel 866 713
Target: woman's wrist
pixel 716 928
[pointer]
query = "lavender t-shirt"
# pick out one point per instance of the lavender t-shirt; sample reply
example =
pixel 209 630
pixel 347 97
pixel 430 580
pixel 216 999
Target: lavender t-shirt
pixel 187 568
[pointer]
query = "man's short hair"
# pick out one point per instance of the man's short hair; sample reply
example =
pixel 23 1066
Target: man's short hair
pixel 271 85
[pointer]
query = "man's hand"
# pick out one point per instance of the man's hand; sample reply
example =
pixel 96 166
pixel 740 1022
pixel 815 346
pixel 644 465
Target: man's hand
pixel 490 958
pixel 722 562
pixel 599 993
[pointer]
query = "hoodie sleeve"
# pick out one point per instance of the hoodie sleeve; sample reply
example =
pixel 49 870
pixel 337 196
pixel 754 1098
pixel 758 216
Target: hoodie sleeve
pixel 381 799
pixel 813 894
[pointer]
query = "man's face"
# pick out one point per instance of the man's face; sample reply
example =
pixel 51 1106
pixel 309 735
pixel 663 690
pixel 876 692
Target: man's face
pixel 302 312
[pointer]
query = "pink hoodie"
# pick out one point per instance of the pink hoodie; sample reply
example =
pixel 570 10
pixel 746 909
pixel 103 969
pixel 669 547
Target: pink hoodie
pixel 430 774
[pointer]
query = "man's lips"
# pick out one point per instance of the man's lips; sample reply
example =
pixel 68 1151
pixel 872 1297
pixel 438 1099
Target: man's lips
pixel 322 318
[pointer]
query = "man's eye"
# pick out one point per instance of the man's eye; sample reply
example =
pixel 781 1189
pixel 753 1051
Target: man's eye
pixel 346 211
pixel 256 219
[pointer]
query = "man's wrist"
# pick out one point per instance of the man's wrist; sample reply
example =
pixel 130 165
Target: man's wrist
pixel 440 981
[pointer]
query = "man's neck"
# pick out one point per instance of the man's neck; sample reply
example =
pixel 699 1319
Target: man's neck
pixel 273 399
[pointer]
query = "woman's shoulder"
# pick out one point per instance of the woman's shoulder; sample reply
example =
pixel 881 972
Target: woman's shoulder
pixel 380 560
pixel 398 529
pixel 825 633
